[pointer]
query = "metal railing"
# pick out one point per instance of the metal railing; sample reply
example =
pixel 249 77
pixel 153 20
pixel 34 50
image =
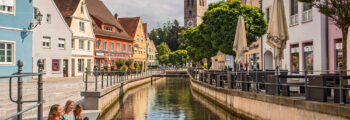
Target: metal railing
pixel 19 75
pixel 312 87
pixel 105 78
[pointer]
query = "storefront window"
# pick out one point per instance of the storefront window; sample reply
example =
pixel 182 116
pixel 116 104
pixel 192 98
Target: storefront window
pixel 338 53
pixel 55 65
pixel 308 58
pixel 295 59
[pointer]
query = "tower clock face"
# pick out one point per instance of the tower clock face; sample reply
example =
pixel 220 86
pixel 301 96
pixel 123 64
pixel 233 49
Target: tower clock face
pixel 190 23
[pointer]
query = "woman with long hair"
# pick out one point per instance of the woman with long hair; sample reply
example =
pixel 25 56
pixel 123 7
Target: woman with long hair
pixel 55 112
pixel 77 112
pixel 68 111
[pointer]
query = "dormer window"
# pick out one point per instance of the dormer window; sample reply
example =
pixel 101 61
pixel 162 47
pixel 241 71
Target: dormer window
pixel 107 28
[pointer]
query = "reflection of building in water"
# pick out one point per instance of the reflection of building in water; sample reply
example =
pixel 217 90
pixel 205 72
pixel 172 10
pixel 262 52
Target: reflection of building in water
pixel 139 102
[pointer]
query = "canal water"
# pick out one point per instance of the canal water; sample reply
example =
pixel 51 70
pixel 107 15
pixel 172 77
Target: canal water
pixel 166 99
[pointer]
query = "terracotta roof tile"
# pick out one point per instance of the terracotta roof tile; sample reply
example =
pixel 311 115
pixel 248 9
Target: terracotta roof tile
pixel 67 8
pixel 130 24
pixel 98 11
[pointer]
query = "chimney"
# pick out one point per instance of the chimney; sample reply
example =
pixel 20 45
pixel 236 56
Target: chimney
pixel 116 16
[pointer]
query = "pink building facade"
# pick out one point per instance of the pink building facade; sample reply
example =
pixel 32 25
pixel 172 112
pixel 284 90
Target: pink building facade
pixel 335 46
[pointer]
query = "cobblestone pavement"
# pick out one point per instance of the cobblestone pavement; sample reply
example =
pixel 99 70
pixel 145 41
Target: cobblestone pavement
pixel 56 91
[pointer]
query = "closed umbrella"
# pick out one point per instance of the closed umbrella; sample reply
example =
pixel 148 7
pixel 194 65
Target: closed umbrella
pixel 240 43
pixel 277 33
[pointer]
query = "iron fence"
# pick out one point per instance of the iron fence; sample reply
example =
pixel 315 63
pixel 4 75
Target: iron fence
pixel 322 87
pixel 105 78
pixel 19 75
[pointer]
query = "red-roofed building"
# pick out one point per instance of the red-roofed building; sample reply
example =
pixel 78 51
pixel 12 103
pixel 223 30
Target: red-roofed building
pixel 112 41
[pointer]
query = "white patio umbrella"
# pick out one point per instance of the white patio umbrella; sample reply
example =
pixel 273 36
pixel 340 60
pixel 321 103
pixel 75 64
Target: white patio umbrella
pixel 240 43
pixel 277 33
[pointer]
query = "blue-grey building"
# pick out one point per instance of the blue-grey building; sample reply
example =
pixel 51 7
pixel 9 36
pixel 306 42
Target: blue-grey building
pixel 16 23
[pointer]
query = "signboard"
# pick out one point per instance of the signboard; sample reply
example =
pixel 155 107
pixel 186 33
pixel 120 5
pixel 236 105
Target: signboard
pixel 295 50
pixel 100 54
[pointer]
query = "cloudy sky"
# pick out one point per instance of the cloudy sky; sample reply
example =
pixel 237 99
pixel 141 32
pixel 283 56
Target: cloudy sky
pixel 153 12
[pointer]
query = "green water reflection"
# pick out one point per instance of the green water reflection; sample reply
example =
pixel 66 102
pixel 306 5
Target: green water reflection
pixel 168 99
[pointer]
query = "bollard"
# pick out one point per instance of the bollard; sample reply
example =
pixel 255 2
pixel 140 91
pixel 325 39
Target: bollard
pixel 341 93
pixel 306 88
pixel 19 91
pixel 40 89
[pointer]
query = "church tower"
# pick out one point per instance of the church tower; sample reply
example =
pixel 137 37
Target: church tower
pixel 194 10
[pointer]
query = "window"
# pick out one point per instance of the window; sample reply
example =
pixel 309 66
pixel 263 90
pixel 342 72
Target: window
pixel 48 18
pixel 61 43
pixel 124 48
pixel 338 52
pixel 55 65
pixel 6 53
pixel 308 58
pixel 35 12
pixel 190 13
pixel 188 2
pixel 98 44
pixel 80 65
pixel 81 44
pixel 46 42
pixel 107 28
pixel 135 50
pixel 141 38
pixel 81 26
pixel 105 46
pixel 307 12
pixel 72 45
pixel 268 14
pixel 82 8
pixel 44 62
pixel 129 48
pixel 295 59
pixel 294 12
pixel 88 45
pixel 144 50
pixel 118 47
pixel 88 64
pixel 138 38
pixel 192 2
pixel 7 6
pixel 112 46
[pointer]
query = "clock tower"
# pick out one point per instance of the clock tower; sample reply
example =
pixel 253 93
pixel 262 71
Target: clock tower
pixel 194 10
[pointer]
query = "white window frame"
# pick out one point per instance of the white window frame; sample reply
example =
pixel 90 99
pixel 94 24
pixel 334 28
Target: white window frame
pixel 111 45
pixel 81 47
pixel 129 48
pixel 61 41
pixel 82 65
pixel 81 26
pixel 13 52
pixel 13 9
pixel 105 45
pixel 44 41
pixel 118 47
pixel 98 46
pixel 108 28
pixel 124 47
pixel 307 14
pixel 138 38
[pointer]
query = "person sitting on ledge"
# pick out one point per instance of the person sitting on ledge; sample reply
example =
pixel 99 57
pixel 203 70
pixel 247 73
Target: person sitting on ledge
pixel 55 112
pixel 77 112
pixel 68 111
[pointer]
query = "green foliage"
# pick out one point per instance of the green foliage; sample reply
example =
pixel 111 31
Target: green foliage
pixel 168 33
pixel 124 68
pixel 198 47
pixel 220 22
pixel 128 63
pixel 163 53
pixel 119 63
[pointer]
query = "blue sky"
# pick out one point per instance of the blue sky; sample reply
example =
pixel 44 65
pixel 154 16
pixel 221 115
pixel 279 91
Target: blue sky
pixel 153 12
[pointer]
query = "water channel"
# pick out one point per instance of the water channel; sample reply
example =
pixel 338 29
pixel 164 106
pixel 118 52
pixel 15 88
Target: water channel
pixel 166 99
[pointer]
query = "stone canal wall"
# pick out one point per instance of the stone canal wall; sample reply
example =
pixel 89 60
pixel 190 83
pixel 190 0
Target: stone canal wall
pixel 102 99
pixel 267 107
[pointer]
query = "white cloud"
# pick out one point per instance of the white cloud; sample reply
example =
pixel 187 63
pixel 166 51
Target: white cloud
pixel 153 12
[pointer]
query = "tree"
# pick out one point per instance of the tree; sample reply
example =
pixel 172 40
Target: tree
pixel 198 47
pixel 128 63
pixel 119 63
pixel 339 12
pixel 220 22
pixel 168 33
pixel 163 53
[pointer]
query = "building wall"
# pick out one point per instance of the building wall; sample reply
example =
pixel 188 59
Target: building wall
pixel 253 56
pixel 13 29
pixel 112 55
pixel 334 34
pixel 152 56
pixel 304 32
pixel 56 28
pixel 197 10
pixel 87 36
pixel 138 56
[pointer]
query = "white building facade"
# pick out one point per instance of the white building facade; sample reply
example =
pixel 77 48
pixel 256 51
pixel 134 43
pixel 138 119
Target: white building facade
pixel 52 41
pixel 305 49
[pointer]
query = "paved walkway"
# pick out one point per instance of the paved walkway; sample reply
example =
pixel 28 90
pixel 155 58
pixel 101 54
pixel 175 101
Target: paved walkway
pixel 56 91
